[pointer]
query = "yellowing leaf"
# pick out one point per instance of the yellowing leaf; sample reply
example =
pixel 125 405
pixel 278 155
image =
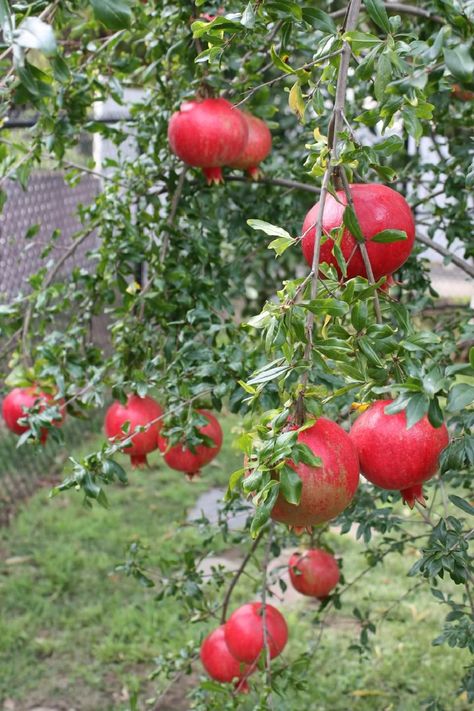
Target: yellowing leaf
pixel 295 101
pixel 133 287
pixel 319 136
pixel 360 406
pixel 367 692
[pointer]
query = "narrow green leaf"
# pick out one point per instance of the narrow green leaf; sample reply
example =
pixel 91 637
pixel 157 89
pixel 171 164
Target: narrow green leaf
pixel 389 236
pixel 279 62
pixel 462 504
pixel 416 409
pixel 460 62
pixel 281 244
pixel 248 17
pixel 459 397
pixel 378 14
pixel 352 223
pixel 114 14
pixel 319 19
pixel 290 485
pixel 435 413
pixel 269 229
pixel 382 76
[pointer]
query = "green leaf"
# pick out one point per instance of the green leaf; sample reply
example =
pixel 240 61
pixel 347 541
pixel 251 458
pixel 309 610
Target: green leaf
pixel 352 223
pixel 296 102
pixel 269 229
pixel 378 14
pixel 290 485
pixel 319 19
pixel 416 409
pixel 279 62
pixel 367 349
pixel 114 14
pixel 389 236
pixel 5 15
pixel 462 504
pixel 302 453
pixel 281 244
pixel 33 33
pixel 248 17
pixel 459 397
pixel 435 413
pixel 390 145
pixel 361 40
pixel 326 306
pixel 382 76
pixel 252 482
pixel 460 62
pixel 359 315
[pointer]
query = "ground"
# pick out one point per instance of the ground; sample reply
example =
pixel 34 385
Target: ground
pixel 77 634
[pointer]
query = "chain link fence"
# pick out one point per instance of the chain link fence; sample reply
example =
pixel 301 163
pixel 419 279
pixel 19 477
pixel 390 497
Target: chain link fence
pixel 51 205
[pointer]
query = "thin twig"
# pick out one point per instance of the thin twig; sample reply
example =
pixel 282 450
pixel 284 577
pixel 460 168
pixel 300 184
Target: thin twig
pixel 404 10
pixel 283 182
pixel 361 245
pixel 237 575
pixel 458 261
pixel 266 643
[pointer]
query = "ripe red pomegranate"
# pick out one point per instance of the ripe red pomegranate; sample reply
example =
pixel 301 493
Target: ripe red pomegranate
pixel 327 490
pixel 314 572
pixel 208 134
pixel 394 457
pixel 219 662
pixel 244 632
pixel 378 208
pixel 139 411
pixel 19 400
pixel 259 145
pixel 183 459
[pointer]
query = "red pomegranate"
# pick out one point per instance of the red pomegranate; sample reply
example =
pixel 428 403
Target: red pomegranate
pixel 219 662
pixel 259 145
pixel 21 399
pixel 139 412
pixel 244 632
pixel 183 459
pixel 208 134
pixel 314 573
pixel 378 208
pixel 394 457
pixel 327 490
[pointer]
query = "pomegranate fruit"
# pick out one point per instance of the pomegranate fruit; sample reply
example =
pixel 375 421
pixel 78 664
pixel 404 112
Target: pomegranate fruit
pixel 314 573
pixel 139 412
pixel 183 459
pixel 259 145
pixel 327 490
pixel 208 134
pixel 219 662
pixel 244 632
pixel 19 400
pixel 378 208
pixel 394 457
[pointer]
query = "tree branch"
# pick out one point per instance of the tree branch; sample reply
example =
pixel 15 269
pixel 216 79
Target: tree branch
pixel 237 575
pixel 458 261
pixel 266 644
pixel 404 10
pixel 282 182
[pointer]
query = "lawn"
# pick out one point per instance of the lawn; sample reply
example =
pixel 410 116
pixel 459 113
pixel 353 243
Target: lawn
pixel 77 634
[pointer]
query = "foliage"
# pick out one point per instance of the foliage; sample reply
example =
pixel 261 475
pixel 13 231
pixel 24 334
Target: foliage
pixel 207 321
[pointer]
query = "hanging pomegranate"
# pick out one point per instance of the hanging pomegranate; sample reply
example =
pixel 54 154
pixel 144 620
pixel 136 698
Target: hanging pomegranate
pixel 378 208
pixel 19 400
pixel 244 632
pixel 138 412
pixel 208 134
pixel 181 458
pixel 314 573
pixel 328 489
pixel 220 664
pixel 394 457
pixel 259 145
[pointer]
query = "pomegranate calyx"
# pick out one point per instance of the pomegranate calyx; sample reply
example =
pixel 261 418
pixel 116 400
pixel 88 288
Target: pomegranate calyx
pixel 412 494
pixel 138 461
pixel 190 476
pixel 213 176
pixel 254 173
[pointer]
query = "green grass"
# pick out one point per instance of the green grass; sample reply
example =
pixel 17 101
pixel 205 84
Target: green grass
pixel 75 632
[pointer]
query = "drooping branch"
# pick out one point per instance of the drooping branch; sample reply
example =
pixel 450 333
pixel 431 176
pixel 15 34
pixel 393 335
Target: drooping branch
pixel 403 10
pixel 237 574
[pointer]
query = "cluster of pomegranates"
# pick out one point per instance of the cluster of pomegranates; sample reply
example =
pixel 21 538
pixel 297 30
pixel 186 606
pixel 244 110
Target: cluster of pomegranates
pixel 389 455
pixel 212 133
pixel 138 421
pixel 231 652
pixel 146 413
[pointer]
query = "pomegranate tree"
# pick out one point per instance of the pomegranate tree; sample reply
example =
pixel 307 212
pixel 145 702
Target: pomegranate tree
pixel 208 134
pixel 393 456
pixel 378 208
pixel 137 412
pixel 184 459
pixel 244 632
pixel 19 400
pixel 314 573
pixel 219 662
pixel 327 489
pixel 259 145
